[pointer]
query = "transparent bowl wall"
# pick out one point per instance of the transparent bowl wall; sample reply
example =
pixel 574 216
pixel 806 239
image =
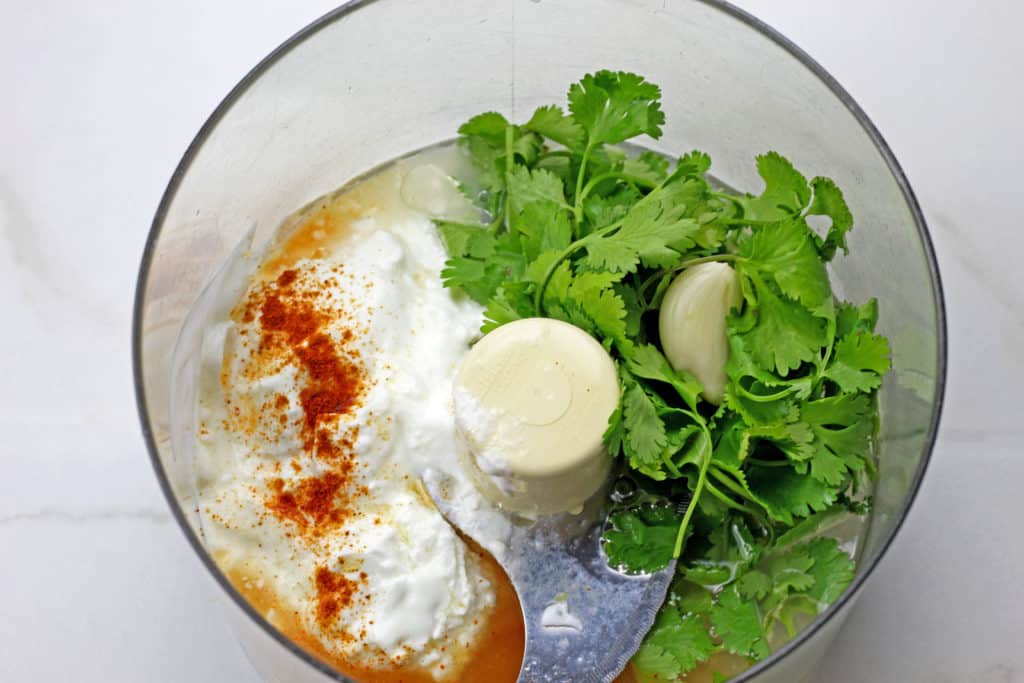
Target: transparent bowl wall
pixel 375 80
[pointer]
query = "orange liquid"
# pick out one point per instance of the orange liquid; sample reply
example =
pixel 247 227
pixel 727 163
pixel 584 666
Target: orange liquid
pixel 317 230
pixel 495 657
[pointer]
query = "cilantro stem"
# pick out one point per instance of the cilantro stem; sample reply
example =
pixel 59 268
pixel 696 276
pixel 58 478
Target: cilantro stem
pixel 509 154
pixel 729 502
pixel 746 221
pixel 768 463
pixel 577 208
pixel 499 217
pixel 600 178
pixel 764 398
pixel 730 484
pixel 728 258
pixel 734 258
pixel 827 356
pixel 509 164
pixel 538 297
pixel 702 479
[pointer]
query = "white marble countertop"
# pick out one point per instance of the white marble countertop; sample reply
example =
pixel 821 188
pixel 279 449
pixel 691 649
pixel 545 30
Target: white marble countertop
pixel 101 98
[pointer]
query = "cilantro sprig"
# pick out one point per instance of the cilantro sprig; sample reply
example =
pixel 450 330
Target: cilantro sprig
pixel 744 493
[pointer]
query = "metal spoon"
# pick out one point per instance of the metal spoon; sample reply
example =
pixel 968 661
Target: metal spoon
pixel 584 620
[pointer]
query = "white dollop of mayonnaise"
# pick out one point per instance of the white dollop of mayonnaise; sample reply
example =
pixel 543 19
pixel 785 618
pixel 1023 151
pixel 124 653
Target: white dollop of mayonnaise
pixel 490 435
pixel 423 589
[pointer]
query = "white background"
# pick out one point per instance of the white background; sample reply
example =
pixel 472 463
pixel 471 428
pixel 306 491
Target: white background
pixel 98 100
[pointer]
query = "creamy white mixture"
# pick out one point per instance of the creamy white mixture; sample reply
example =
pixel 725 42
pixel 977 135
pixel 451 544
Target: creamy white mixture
pixel 420 588
pixel 495 435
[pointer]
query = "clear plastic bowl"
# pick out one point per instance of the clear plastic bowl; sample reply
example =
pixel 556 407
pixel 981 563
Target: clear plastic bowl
pixel 376 79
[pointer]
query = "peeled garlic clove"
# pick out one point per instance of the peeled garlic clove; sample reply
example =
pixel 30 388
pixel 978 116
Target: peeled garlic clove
pixel 692 323
pixel 427 188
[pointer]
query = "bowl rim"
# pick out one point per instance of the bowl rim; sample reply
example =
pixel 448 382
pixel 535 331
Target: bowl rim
pixel 723 6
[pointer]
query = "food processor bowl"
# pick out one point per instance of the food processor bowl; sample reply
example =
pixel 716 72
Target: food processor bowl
pixel 376 79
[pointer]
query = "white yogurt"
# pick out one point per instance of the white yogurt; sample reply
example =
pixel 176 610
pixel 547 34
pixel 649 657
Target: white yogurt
pixel 423 590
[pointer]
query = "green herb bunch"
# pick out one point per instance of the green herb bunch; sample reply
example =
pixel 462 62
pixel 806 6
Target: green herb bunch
pixel 587 231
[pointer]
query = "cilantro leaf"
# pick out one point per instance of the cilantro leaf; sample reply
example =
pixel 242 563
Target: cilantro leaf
pixel 483 137
pixel 815 524
pixel 526 146
pixel 692 192
pixel 489 164
pixel 688 443
pixel 788 493
pixel 544 226
pixel 786 191
pixel 616 106
pixel 658 440
pixel 475 277
pixel 786 609
pixel 738 623
pixel 643 539
pixel 603 210
pixel 828 201
pixel 779 333
pixel 707 573
pixel 828 467
pixel 695 163
pixel 647 166
pixel 551 122
pixel 729 552
pixel 488 264
pixel 456 237
pixel 850 318
pixel 602 160
pixel 595 296
pixel 692 195
pixel 645 437
pixel 648 362
pixel 615 434
pixel 588 300
pixel 832 570
pixel 690 599
pixel 788 571
pixel 732 448
pixel 785 252
pixel 778 585
pixel 634 309
pixel 835 411
pixel 758 395
pixel 673 646
pixel 771 393
pixel 525 186
pixel 489 127
pixel 653 232
pixel 793 437
pixel 758 412
pixel 842 427
pixel 754 584
pixel 859 362
pixel 511 301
